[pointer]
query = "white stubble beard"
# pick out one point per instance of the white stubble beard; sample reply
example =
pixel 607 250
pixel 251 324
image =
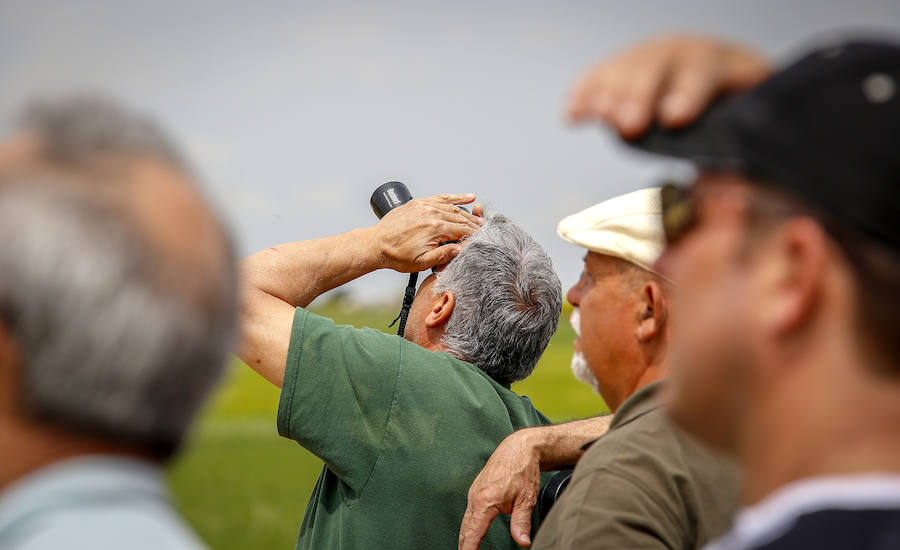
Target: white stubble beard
pixel 580 367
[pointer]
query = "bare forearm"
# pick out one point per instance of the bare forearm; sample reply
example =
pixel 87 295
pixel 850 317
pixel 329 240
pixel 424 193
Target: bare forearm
pixel 279 279
pixel 296 273
pixel 511 479
pixel 561 445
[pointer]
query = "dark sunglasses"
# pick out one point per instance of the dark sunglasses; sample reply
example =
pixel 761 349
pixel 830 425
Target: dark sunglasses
pixel 679 211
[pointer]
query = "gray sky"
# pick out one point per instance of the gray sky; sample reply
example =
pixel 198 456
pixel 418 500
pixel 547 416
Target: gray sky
pixel 295 111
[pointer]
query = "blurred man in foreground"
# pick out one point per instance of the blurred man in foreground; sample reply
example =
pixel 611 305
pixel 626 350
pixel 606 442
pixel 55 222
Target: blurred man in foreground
pixel 788 258
pixel 643 484
pixel 117 308
pixel 787 251
pixel 402 424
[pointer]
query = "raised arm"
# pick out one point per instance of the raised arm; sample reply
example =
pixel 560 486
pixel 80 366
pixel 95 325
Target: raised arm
pixel 511 479
pixel 278 279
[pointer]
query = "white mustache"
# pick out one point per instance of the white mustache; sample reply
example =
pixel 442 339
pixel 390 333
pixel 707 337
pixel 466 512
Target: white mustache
pixel 575 321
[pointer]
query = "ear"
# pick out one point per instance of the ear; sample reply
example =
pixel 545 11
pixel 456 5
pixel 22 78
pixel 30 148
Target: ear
pixel 6 347
pixel 653 312
pixel 794 279
pixel 10 363
pixel 441 310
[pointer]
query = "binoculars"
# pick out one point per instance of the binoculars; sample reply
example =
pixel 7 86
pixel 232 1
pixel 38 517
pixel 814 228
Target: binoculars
pixel 390 195
pixel 386 197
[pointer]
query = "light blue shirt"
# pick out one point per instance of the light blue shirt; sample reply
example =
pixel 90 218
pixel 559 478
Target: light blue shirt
pixel 93 502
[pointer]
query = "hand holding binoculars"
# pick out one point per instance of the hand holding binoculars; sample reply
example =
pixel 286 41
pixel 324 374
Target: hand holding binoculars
pixel 390 195
pixel 387 197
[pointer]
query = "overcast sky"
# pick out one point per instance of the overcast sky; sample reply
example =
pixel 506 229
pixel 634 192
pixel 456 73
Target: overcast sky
pixel 295 111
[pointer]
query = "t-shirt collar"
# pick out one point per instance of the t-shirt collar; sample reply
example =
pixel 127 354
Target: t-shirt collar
pixel 767 520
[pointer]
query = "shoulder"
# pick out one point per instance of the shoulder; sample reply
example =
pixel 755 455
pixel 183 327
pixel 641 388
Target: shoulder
pixel 646 474
pixel 642 442
pixel 447 381
pixel 108 527
pixel 652 445
pixel 310 328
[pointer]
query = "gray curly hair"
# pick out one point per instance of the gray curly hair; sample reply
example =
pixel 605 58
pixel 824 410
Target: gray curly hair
pixel 508 301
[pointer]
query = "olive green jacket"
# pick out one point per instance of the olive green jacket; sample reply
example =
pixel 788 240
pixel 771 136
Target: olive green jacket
pixel 643 485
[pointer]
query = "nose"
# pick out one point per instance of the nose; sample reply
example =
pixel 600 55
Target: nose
pixel 574 294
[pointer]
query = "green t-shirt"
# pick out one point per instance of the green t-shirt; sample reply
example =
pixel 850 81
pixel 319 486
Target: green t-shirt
pixel 403 432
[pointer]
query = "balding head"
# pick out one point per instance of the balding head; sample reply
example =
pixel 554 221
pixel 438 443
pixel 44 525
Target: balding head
pixel 116 278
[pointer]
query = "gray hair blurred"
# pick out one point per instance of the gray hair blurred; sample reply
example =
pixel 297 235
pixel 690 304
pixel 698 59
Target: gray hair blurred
pixel 508 301
pixel 111 344
pixel 79 129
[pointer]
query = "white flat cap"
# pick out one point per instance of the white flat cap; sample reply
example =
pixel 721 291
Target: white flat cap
pixel 628 227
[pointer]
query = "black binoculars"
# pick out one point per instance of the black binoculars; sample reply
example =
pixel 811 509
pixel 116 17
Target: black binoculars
pixel 390 195
pixel 386 197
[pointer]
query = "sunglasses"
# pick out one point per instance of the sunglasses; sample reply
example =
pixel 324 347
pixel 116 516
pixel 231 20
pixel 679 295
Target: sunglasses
pixel 679 211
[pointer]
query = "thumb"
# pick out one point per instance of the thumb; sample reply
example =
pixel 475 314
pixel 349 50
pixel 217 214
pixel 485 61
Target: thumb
pixel 520 524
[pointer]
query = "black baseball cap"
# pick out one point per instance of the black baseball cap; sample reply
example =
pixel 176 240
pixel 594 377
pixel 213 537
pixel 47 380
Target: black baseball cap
pixel 826 127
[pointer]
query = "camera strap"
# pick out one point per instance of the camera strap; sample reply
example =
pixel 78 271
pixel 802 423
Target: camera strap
pixel 408 298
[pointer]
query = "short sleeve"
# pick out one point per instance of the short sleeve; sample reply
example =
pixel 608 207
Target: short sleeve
pixel 337 393
pixel 607 510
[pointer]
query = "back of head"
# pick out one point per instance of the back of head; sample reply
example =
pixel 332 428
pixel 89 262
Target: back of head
pixel 116 280
pixel 508 301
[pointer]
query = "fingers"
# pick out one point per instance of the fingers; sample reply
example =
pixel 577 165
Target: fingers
pixel 445 205
pixel 520 522
pixel 704 71
pixel 440 255
pixel 592 98
pixel 458 215
pixel 475 525
pixel 584 91
pixel 460 198
pixel 690 89
pixel 478 210
pixel 411 234
pixel 454 230
pixel 616 93
pixel 747 68
pixel 637 97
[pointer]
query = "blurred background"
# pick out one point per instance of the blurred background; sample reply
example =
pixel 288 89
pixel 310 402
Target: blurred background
pixel 293 112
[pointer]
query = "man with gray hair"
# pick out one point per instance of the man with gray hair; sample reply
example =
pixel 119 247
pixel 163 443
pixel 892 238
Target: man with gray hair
pixel 402 424
pixel 117 311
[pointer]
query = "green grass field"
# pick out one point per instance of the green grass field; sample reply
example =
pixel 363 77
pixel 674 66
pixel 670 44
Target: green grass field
pixel 242 486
